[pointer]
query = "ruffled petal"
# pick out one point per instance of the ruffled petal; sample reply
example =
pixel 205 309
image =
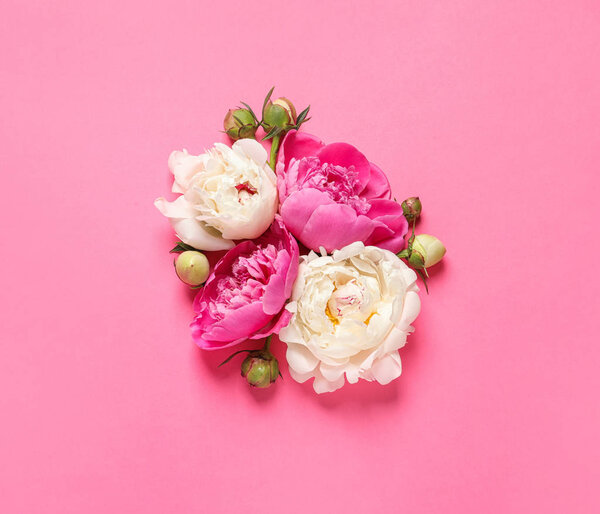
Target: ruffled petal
pixel 345 155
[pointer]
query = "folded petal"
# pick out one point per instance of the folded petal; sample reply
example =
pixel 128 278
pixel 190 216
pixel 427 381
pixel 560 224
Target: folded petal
pixel 299 207
pixel 386 369
pixel 300 358
pixel 334 226
pixel 378 186
pixel 188 228
pixel 251 149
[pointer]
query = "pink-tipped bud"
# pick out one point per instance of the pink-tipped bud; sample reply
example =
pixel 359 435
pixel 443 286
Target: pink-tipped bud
pixel 240 124
pixel 192 267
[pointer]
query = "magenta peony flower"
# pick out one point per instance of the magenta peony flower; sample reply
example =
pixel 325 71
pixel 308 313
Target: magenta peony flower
pixel 331 196
pixel 245 294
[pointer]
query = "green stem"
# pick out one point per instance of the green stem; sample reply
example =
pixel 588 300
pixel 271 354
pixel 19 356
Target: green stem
pixel 267 345
pixel 274 151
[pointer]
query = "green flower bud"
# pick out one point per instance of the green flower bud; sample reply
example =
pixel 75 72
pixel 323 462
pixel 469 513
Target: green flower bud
pixel 412 208
pixel 192 267
pixel 430 247
pixel 416 259
pixel 279 113
pixel 260 368
pixel 240 124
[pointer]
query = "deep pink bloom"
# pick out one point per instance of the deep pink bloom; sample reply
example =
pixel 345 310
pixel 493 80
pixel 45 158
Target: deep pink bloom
pixel 331 195
pixel 244 296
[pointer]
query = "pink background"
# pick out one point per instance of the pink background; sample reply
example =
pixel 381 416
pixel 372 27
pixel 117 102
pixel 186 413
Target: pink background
pixel 490 111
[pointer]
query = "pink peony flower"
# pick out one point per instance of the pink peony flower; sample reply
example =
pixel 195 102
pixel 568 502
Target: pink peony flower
pixel 331 196
pixel 245 295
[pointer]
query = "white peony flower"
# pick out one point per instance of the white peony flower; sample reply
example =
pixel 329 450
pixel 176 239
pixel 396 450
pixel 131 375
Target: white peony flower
pixel 351 313
pixel 227 193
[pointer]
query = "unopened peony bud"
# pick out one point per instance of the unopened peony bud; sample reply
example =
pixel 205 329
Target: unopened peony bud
pixel 416 259
pixel 412 208
pixel 279 113
pixel 430 247
pixel 240 124
pixel 260 368
pixel 192 267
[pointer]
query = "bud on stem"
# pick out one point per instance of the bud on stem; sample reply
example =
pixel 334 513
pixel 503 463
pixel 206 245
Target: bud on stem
pixel 411 207
pixel 240 123
pixel 260 368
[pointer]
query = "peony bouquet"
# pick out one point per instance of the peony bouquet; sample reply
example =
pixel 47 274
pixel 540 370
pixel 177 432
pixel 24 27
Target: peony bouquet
pixel 316 251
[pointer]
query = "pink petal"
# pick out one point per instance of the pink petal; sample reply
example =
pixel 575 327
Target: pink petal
pixel 335 226
pixel 237 324
pixel 343 154
pixel 275 326
pixel 378 186
pixel 297 145
pixel 299 207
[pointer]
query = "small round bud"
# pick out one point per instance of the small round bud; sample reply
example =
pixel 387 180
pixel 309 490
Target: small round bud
pixel 430 247
pixel 279 113
pixel 260 368
pixel 412 208
pixel 192 267
pixel 239 124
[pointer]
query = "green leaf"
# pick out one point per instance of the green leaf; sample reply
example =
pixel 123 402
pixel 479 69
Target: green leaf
pixel 232 356
pixel 182 247
pixel 272 133
pixel 423 278
pixel 238 120
pixel 403 254
pixel 300 119
pixel 267 98
pixel 250 109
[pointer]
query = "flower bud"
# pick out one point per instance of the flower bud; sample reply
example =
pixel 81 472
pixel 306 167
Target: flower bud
pixel 260 368
pixel 412 208
pixel 192 267
pixel 416 259
pixel 279 113
pixel 240 124
pixel 430 247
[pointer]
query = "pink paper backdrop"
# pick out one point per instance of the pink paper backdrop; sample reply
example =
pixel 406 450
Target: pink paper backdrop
pixel 490 111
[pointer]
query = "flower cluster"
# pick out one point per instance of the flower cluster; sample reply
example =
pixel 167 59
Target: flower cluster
pixel 317 251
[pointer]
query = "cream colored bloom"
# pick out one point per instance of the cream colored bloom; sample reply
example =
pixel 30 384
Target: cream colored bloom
pixel 227 194
pixel 430 247
pixel 351 313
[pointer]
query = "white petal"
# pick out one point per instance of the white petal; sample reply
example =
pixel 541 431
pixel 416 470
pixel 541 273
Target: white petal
pixel 251 149
pixel 300 358
pixel 387 369
pixel 190 230
pixel 300 377
pixel 331 373
pixel 395 340
pixel 184 166
pixel 410 310
pixel 322 385
pixel 348 251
